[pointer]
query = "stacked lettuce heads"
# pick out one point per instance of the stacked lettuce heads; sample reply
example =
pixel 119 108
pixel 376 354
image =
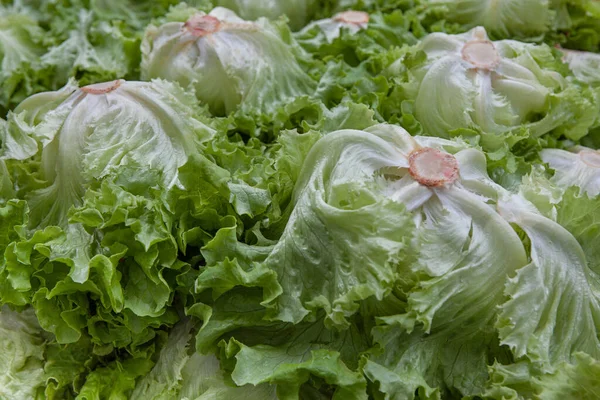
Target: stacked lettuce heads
pixel 294 200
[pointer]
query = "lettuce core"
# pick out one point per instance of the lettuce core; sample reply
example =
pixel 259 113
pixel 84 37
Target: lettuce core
pixel 431 167
pixel 201 25
pixel 351 17
pixel 481 53
pixel 102 88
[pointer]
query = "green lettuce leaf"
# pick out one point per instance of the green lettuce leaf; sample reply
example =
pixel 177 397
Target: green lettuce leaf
pixel 291 356
pixel 6 185
pixel 115 381
pixel 112 288
pixel 560 282
pixel 66 367
pixel 580 215
pixel 577 380
pixel 21 46
pixel 356 35
pixel 520 381
pixel 183 374
pixel 21 355
pixel 92 53
pixel 576 24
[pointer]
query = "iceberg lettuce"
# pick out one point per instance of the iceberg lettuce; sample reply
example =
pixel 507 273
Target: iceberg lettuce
pixel 22 355
pixel 439 222
pixel 98 130
pixel 299 12
pixel 100 176
pixel 201 205
pixel 233 64
pixel 502 19
pixel 498 89
pixel 388 209
pixel 21 46
pixel 573 23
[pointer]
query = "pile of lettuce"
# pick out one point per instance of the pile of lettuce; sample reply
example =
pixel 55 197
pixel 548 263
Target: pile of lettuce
pixel 299 199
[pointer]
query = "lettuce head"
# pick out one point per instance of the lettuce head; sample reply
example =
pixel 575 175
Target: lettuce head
pixel 233 64
pixel 501 89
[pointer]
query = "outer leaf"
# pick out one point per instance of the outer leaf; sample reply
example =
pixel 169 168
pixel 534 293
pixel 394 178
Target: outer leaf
pixel 6 186
pixel 580 215
pixel 20 50
pixel 577 24
pixel 66 365
pixel 504 19
pixel 562 286
pixel 96 52
pixel 577 177
pixel 181 375
pixel 114 381
pixel 21 355
pixel 299 12
pixel 281 353
pixel 580 168
pixel 577 380
pixel 323 363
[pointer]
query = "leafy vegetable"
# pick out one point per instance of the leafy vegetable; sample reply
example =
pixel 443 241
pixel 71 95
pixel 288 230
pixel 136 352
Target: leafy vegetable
pixel 262 76
pixel 21 45
pixel 580 168
pixel 90 133
pixel 502 19
pixel 182 374
pixel 497 88
pixel 356 35
pixel 344 199
pixel 573 22
pixel 391 176
pixel 584 65
pixel 22 354
pixel 299 12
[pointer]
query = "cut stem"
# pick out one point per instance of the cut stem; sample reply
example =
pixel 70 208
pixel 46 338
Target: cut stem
pixel 351 17
pixel 482 54
pixel 102 88
pixel 432 167
pixel 202 25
